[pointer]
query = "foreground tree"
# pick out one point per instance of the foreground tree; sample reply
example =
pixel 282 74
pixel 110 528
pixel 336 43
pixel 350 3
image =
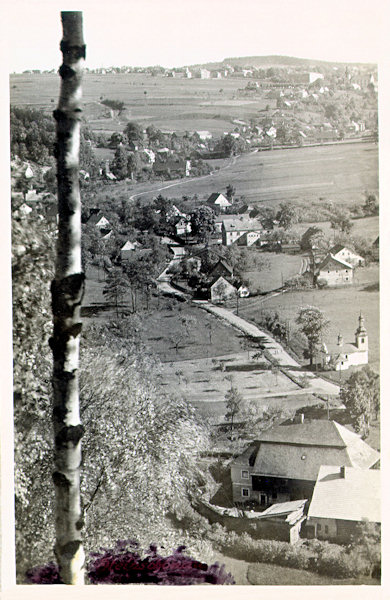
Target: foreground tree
pixel 313 324
pixel 360 395
pixel 67 292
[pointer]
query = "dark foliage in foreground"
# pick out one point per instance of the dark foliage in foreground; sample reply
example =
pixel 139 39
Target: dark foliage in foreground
pixel 124 564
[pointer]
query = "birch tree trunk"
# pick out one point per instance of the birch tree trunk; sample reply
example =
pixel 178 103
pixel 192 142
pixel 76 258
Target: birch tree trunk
pixel 67 291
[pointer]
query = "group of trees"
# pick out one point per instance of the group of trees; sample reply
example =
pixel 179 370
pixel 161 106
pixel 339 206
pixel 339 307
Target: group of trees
pixel 140 447
pixel 33 136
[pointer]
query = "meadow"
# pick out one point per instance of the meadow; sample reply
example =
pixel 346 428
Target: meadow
pixel 171 104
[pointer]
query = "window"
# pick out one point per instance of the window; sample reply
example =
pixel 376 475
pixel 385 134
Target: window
pixel 245 492
pixel 244 474
pixel 326 529
pixel 346 279
pixel 318 527
pixel 363 340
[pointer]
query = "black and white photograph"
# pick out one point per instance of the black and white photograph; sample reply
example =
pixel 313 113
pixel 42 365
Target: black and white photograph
pixel 193 194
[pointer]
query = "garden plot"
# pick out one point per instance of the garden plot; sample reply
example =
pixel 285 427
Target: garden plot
pixel 207 380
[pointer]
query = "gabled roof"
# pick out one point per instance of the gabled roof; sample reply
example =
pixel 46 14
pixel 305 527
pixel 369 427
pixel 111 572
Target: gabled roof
pixel 330 257
pixel 240 224
pixel 95 218
pixel 224 264
pixel 130 245
pixel 354 497
pixel 297 451
pixel 339 247
pixel 221 279
pixel 219 199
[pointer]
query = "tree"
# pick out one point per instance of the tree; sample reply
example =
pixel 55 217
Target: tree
pixel 133 132
pixel 360 395
pixel 67 291
pixel 117 284
pixel 202 222
pixel 286 215
pixel 119 166
pixel 230 192
pixel 370 206
pixel 313 324
pixel 341 220
pixel 233 402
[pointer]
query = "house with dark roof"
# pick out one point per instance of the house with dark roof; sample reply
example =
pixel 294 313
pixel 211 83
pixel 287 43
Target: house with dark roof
pixel 99 221
pixel 283 464
pixel 345 254
pixel 221 268
pixel 335 271
pixel 343 498
pixel 218 202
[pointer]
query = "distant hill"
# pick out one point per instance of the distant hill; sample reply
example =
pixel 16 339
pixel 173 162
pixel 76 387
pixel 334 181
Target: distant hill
pixel 278 61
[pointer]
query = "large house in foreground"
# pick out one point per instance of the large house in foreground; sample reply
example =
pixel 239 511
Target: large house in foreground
pixel 343 498
pixel 283 464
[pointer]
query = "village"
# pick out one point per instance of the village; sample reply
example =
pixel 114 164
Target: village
pixel 240 298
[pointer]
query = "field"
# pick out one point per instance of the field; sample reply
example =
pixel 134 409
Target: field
pixel 170 104
pixel 367 228
pixel 339 173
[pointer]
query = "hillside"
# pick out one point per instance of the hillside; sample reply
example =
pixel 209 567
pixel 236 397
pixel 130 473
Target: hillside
pixel 285 61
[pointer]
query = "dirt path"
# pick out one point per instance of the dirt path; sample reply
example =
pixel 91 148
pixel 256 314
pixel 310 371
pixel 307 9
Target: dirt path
pixel 292 368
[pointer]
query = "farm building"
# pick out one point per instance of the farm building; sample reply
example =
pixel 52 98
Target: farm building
pixel 284 463
pixel 127 250
pixel 341 252
pixel 222 290
pixel 99 221
pixel 343 498
pixel 222 268
pixel 341 356
pixel 335 271
pixel 218 201
pixel 233 229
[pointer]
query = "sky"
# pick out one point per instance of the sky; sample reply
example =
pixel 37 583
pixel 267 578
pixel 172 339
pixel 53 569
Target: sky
pixel 184 32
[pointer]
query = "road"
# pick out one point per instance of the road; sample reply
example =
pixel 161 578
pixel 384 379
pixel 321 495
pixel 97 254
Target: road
pixel 291 367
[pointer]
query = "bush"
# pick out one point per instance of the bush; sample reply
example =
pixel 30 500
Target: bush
pixel 322 283
pixel 313 555
pixel 124 564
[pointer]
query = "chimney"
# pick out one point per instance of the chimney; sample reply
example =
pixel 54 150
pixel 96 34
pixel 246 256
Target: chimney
pixel 342 472
pixel 302 419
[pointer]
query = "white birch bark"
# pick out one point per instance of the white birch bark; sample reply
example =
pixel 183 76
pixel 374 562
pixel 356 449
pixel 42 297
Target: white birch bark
pixel 67 292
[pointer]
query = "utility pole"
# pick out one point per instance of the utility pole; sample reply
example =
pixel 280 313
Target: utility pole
pixel 67 291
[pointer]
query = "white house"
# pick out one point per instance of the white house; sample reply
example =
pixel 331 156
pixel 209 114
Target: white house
pixel 341 356
pixel 341 252
pixel 343 498
pixel 218 201
pixel 243 231
pixel 99 220
pixel 222 290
